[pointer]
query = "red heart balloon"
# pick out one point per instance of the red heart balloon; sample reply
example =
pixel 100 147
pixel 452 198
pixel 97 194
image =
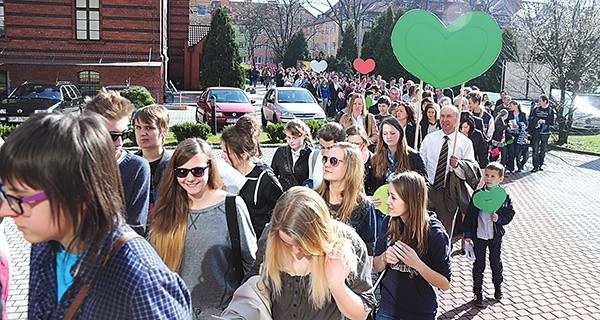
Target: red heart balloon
pixel 364 66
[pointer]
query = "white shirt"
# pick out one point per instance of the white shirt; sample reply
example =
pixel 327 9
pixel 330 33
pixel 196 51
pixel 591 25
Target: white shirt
pixel 358 121
pixel 315 172
pixel 430 152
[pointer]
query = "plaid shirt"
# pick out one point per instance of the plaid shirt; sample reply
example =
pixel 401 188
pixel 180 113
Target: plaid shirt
pixel 135 284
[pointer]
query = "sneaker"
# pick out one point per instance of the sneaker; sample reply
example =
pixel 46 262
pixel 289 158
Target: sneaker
pixel 498 294
pixel 541 169
pixel 535 170
pixel 478 300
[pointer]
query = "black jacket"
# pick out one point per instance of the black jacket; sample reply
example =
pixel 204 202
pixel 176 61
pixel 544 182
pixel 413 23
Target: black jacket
pixel 372 182
pixel 260 193
pixel 290 175
pixel 480 147
pixel 505 216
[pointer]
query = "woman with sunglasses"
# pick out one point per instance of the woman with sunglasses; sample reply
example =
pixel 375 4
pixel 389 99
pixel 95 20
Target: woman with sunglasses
pixel 314 266
pixel 391 155
pixel 343 190
pixel 240 149
pixel 71 209
pixel 290 162
pixel 414 249
pixel 190 231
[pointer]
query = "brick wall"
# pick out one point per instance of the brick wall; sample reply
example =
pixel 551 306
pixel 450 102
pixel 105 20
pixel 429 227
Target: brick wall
pixel 148 76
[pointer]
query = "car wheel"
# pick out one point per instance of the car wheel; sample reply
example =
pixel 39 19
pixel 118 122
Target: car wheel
pixel 198 118
pixel 263 120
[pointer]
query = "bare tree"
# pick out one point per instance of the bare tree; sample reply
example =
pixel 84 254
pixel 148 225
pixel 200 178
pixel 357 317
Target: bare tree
pixel 565 35
pixel 348 11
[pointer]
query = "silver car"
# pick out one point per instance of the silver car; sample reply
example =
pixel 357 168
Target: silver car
pixel 283 104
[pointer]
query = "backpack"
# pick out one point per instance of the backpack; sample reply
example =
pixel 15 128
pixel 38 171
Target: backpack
pixel 235 259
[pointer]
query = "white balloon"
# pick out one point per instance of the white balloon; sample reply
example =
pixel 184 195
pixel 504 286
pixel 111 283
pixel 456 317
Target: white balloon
pixel 318 66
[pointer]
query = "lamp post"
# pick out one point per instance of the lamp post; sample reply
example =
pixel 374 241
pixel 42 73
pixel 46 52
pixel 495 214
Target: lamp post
pixel 213 109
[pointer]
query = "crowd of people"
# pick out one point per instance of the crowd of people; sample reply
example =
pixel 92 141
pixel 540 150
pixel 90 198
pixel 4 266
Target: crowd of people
pixel 161 234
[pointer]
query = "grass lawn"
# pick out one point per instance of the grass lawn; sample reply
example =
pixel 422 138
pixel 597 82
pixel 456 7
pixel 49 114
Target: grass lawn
pixel 583 143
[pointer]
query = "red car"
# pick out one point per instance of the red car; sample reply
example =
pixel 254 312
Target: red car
pixel 231 104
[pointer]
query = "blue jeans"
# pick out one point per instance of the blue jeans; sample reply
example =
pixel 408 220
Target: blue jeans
pixel 382 315
pixel 522 155
pixel 539 144
pixel 480 246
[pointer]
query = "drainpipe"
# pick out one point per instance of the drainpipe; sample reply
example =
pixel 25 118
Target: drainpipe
pixel 164 58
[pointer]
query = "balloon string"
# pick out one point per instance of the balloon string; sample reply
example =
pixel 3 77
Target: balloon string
pixel 418 111
pixel 462 89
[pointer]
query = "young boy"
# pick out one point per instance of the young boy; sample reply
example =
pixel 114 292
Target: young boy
pixel 484 230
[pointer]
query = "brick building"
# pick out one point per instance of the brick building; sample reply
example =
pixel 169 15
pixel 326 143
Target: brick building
pixel 93 43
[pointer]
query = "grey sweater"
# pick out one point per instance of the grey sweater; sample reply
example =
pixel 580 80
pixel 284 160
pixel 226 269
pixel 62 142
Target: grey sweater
pixel 205 268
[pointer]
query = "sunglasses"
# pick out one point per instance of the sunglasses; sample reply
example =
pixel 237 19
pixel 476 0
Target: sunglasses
pixel 124 135
pixel 16 203
pixel 333 161
pixel 197 172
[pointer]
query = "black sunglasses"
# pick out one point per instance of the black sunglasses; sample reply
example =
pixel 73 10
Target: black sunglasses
pixel 124 135
pixel 197 172
pixel 333 161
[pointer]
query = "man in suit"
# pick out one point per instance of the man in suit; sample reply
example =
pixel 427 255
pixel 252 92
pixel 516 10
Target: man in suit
pixel 444 157
pixel 334 91
pixel 313 88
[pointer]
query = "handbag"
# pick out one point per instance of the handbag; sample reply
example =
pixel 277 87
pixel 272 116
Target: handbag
pixel 371 315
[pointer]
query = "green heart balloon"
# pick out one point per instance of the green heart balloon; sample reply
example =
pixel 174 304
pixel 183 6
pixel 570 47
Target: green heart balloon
pixel 489 201
pixel 446 56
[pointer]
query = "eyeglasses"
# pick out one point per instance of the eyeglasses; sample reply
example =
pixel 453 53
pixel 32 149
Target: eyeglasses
pixel 197 172
pixel 16 203
pixel 333 161
pixel 124 135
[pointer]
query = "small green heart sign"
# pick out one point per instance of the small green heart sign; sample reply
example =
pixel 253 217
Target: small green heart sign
pixel 446 56
pixel 489 201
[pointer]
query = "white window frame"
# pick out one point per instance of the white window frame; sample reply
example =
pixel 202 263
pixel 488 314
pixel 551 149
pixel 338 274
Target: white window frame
pixel 87 20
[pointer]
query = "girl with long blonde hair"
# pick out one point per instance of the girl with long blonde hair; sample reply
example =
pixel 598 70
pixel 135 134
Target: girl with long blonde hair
pixel 357 115
pixel 413 248
pixel 190 231
pixel 343 190
pixel 316 267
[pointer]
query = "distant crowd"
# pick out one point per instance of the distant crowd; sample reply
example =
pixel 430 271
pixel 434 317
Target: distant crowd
pixel 355 224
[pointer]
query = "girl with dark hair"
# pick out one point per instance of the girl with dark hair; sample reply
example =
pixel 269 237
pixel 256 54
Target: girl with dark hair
pixel 190 229
pixel 413 247
pixel 429 122
pixel 71 209
pixel 406 115
pixel 241 150
pixel 391 155
pixel 480 145
pixel 517 121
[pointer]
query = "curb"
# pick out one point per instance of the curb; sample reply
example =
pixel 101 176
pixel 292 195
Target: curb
pixel 589 153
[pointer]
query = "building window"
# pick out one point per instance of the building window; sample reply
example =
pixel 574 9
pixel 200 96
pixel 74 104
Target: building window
pixel 89 82
pixel 325 47
pixel 325 29
pixel 87 13
pixel 258 60
pixel 333 28
pixel 1 18
pixel 333 46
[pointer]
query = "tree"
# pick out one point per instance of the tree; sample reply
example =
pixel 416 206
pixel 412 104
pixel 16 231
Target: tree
pixel 220 61
pixel 565 35
pixel 297 49
pixel 278 21
pixel 348 48
pixel 491 80
pixel 378 46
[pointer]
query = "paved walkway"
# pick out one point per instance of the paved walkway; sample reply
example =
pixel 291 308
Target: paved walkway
pixel 551 250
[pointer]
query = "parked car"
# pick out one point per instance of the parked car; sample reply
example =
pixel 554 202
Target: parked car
pixel 281 105
pixel 231 104
pixel 36 97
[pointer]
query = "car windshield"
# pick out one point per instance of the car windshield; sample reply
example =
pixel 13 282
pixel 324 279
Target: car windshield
pixel 294 96
pixel 36 91
pixel 231 96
